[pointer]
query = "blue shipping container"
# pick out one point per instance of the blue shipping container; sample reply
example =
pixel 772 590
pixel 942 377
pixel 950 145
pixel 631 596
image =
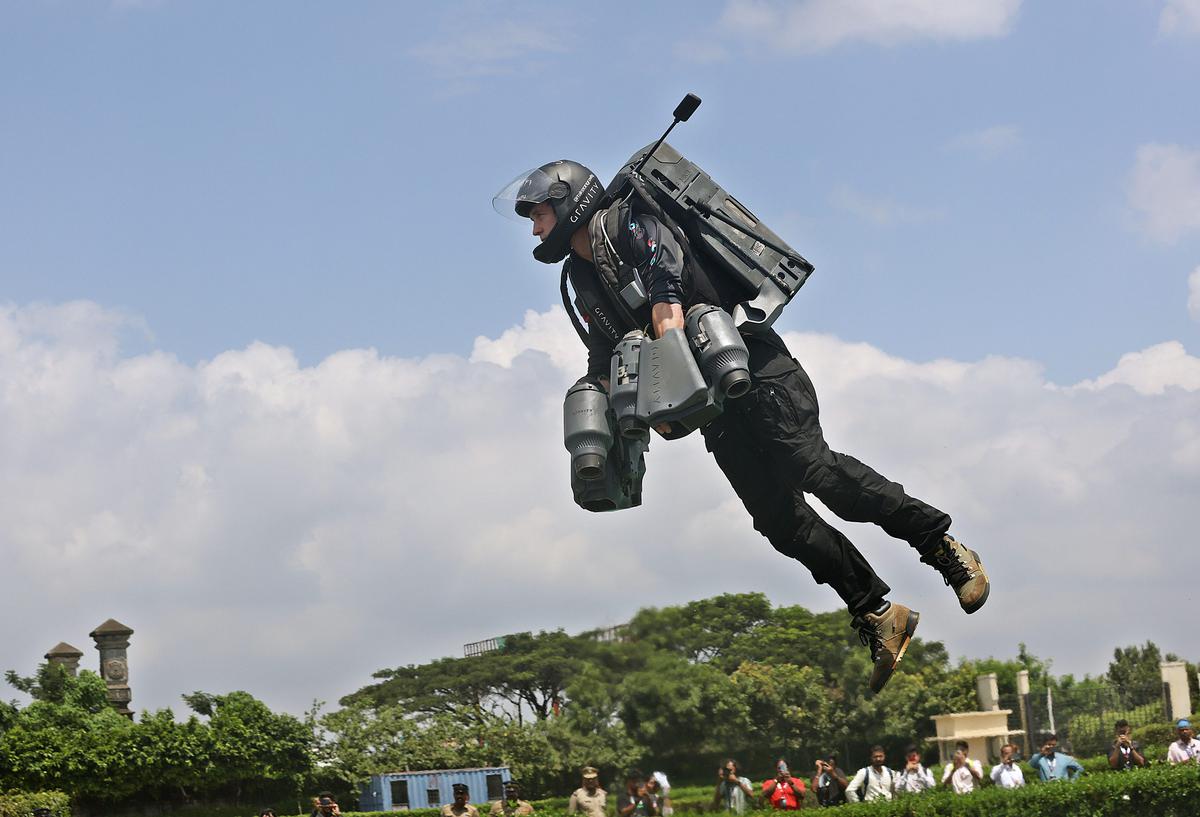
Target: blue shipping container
pixel 399 791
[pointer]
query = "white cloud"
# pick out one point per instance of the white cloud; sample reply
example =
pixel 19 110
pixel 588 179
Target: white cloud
pixel 818 25
pixel 1164 191
pixel 539 332
pixel 1180 17
pixel 988 142
pixel 248 513
pixel 881 210
pixel 1193 302
pixel 470 49
pixel 1153 370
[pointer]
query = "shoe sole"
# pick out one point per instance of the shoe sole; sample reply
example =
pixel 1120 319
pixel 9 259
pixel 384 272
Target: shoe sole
pixel 986 591
pixel 910 627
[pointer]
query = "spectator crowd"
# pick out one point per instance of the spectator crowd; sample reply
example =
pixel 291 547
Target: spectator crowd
pixel 650 795
pixel 735 792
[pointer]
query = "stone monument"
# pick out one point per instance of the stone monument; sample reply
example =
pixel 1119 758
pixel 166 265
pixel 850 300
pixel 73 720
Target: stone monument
pixel 66 655
pixel 112 640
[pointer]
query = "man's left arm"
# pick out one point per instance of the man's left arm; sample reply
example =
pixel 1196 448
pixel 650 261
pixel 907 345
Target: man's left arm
pixel 650 246
pixel 976 770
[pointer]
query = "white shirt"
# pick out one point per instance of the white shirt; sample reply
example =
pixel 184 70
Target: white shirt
pixel 1008 777
pixel 1183 752
pixel 920 780
pixel 735 795
pixel 879 784
pixel 961 779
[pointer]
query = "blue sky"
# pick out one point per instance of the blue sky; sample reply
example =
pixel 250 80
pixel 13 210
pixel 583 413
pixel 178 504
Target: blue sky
pixel 995 194
pixel 318 177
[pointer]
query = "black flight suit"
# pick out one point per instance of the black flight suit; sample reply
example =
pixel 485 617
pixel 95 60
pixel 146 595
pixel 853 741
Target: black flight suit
pixel 769 442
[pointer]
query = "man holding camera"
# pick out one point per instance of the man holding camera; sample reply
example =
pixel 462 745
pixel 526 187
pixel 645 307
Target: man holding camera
pixel 830 782
pixel 784 792
pixel 1051 764
pixel 962 774
pixel 733 791
pixel 1007 774
pixel 914 777
pixel 1126 752
pixel 325 806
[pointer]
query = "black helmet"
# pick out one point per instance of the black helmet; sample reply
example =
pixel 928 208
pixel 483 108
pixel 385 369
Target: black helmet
pixel 570 188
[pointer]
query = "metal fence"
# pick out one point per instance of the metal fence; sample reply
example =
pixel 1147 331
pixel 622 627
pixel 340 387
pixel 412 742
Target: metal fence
pixel 1085 718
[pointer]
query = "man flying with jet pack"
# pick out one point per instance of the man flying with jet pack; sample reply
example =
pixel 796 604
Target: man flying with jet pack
pixel 678 285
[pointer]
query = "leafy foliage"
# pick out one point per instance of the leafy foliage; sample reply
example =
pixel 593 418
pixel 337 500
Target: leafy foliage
pixel 22 804
pixel 70 739
pixel 688 685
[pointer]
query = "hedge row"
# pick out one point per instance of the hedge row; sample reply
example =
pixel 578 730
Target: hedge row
pixel 1157 791
pixel 22 803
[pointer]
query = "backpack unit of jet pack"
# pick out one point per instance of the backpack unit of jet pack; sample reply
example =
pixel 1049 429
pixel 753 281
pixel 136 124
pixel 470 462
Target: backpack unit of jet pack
pixel 682 379
pixel 715 230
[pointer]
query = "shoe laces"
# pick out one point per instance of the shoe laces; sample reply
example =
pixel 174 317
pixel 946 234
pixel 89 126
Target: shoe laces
pixel 869 636
pixel 952 566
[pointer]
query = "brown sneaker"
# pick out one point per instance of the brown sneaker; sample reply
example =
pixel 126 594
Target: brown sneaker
pixel 888 635
pixel 962 570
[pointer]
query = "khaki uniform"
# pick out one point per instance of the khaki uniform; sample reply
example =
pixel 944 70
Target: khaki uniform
pixel 451 810
pixel 591 805
pixel 503 808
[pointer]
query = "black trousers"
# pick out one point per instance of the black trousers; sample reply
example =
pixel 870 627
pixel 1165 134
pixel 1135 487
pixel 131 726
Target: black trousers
pixel 770 446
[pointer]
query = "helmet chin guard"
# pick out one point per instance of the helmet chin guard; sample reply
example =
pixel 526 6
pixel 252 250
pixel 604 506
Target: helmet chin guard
pixel 568 187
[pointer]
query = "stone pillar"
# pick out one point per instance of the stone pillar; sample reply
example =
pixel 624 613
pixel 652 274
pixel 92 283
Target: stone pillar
pixel 989 694
pixel 1174 675
pixel 1026 712
pixel 112 640
pixel 66 655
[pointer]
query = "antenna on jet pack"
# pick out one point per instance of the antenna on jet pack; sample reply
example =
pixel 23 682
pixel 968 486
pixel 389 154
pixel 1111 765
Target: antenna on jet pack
pixel 683 112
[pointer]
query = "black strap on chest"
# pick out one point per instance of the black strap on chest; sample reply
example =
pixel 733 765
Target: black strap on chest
pixel 570 307
pixel 613 276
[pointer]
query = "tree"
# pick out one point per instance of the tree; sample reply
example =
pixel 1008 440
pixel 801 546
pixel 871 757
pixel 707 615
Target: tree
pixel 249 743
pixel 171 757
pixel 702 630
pixel 673 706
pixel 529 673
pixel 788 706
pixel 49 684
pixel 75 743
pixel 1135 669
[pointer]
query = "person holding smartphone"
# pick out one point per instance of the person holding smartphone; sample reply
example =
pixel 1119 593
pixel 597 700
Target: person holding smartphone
pixel 784 792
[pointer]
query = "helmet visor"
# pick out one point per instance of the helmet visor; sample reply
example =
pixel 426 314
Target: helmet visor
pixel 517 198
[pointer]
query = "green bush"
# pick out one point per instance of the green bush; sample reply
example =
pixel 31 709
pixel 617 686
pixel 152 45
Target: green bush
pixel 22 803
pixel 1093 734
pixel 1158 791
pixel 1155 733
